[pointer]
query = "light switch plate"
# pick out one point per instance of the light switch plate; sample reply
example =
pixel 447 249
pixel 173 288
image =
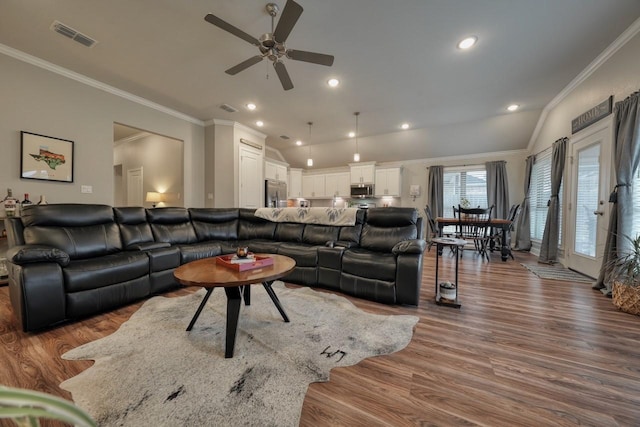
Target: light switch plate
pixel 86 189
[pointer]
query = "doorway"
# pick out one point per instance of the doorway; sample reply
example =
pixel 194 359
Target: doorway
pixel 161 158
pixel 588 206
pixel 134 187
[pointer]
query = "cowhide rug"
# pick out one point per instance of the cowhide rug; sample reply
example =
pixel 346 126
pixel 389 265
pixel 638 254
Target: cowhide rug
pixel 151 372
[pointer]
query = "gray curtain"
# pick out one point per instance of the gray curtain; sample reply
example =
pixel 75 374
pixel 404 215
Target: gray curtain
pixel 523 224
pixel 549 245
pixel 498 188
pixel 436 190
pixel 626 159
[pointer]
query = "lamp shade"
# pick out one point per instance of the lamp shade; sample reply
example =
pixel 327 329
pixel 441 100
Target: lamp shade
pixel 154 197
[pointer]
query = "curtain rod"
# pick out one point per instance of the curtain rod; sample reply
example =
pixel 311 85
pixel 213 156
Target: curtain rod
pixel 464 166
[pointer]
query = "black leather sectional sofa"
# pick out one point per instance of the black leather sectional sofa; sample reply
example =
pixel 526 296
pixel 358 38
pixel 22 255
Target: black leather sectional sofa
pixel 69 261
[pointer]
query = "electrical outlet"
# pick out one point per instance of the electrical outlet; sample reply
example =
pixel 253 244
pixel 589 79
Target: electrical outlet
pixel 86 189
pixel 210 196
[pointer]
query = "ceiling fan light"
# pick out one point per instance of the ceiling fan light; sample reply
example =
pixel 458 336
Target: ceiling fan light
pixel 309 162
pixel 356 157
pixel 467 42
pixel 333 82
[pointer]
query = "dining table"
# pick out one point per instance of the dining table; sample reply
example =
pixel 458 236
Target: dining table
pixel 499 223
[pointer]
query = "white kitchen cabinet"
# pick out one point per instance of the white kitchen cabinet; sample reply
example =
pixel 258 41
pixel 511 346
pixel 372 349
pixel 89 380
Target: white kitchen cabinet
pixel 294 188
pixel 338 184
pixel 388 182
pixel 313 186
pixel 363 174
pixel 273 170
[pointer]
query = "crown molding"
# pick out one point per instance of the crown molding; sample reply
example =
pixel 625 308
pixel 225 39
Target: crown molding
pixel 236 125
pixel 606 54
pixel 132 138
pixel 45 65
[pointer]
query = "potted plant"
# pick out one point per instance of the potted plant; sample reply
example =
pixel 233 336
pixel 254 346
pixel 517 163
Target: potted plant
pixel 626 282
pixel 25 407
pixel 465 203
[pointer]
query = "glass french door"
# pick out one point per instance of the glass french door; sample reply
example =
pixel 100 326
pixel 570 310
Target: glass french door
pixel 589 207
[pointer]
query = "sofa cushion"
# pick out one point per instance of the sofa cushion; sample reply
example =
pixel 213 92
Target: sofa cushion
pixel 251 227
pixel 97 272
pixel 304 255
pixel 79 242
pixel 289 232
pixel 134 228
pixel 200 250
pixel 373 265
pixel 215 224
pixel 171 225
pixel 255 245
pixel 320 234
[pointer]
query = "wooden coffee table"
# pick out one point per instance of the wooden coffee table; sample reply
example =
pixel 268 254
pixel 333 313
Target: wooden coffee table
pixel 208 274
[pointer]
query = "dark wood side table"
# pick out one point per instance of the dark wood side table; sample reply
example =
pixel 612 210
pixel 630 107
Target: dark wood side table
pixel 208 274
pixel 455 245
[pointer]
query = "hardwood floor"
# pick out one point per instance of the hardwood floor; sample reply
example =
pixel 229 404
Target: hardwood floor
pixel 522 351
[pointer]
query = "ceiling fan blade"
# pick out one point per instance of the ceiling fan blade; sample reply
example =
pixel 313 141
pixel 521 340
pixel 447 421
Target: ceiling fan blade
pixel 288 19
pixel 244 65
pixel 212 19
pixel 283 75
pixel 315 58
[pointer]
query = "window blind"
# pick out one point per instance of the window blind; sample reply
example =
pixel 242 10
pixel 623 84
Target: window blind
pixel 540 193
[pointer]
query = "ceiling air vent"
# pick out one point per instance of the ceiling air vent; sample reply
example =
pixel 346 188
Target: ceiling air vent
pixel 75 35
pixel 228 108
pixel 284 137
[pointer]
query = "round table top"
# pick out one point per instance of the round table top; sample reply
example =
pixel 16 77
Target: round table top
pixel 208 274
pixel 450 241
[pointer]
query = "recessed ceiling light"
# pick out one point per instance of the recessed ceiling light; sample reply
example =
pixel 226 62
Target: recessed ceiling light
pixel 513 107
pixel 333 82
pixel 260 123
pixel 467 42
pixel 352 134
pixel 298 142
pixel 251 106
pixel 405 126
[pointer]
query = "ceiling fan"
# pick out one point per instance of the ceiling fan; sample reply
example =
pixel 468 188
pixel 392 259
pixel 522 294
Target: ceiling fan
pixel 271 44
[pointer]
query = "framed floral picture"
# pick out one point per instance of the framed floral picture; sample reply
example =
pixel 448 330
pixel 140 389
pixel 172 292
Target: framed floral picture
pixel 45 157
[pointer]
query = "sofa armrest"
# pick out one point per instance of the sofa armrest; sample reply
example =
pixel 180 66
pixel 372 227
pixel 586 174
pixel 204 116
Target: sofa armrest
pixel 28 254
pixel 414 246
pixel 147 246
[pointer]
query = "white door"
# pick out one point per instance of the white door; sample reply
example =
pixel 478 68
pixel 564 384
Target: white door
pixel 251 183
pixel 589 204
pixel 134 187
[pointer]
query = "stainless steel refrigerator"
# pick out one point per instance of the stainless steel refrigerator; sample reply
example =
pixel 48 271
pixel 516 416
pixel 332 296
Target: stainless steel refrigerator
pixel 275 194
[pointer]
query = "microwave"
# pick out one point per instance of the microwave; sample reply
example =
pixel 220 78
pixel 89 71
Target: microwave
pixel 362 191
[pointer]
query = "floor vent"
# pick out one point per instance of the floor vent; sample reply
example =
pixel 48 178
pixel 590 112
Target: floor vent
pixel 228 108
pixel 74 35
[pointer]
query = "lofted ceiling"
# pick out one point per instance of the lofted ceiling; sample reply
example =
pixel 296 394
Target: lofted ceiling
pixel 397 62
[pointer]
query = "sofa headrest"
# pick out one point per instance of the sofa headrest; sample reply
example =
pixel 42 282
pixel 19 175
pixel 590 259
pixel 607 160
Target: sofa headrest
pixel 392 217
pixel 168 215
pixel 130 215
pixel 66 215
pixel 213 215
pixel 247 214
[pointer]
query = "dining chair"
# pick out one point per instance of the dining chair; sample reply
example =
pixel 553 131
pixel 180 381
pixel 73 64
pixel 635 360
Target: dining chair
pixel 474 225
pixel 433 227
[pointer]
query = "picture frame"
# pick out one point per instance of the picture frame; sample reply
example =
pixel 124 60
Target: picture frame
pixel 45 157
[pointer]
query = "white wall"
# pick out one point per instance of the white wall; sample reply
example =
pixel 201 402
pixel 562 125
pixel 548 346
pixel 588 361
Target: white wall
pixel 40 101
pixel 619 76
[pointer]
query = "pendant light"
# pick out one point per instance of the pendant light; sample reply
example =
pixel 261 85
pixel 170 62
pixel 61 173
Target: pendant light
pixel 309 159
pixel 356 155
